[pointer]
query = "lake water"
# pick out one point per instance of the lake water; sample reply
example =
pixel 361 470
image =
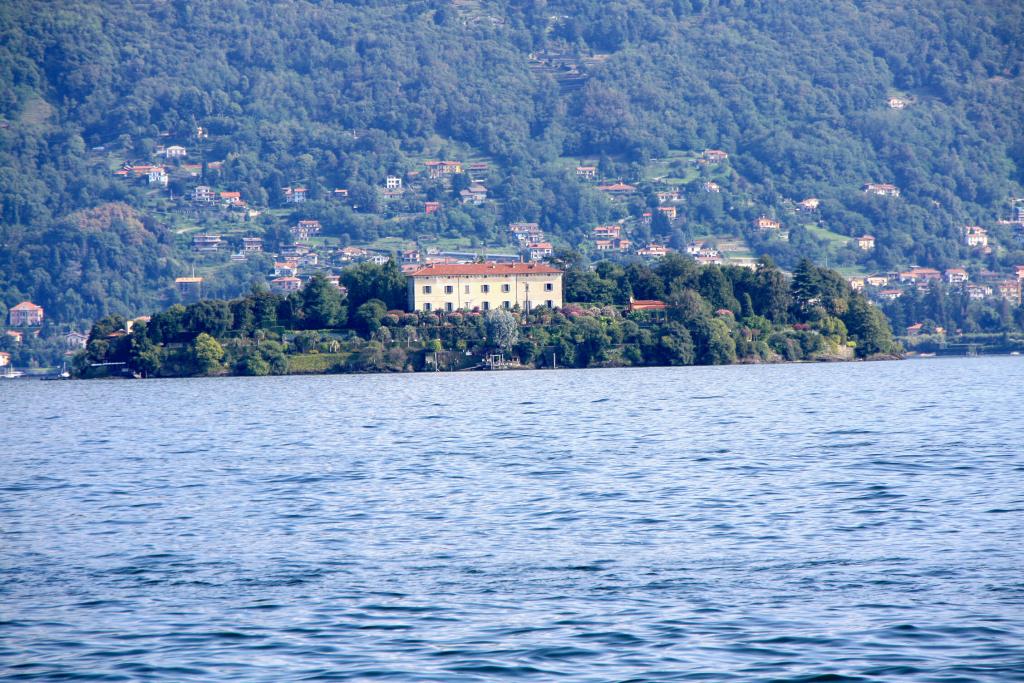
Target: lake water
pixel 842 522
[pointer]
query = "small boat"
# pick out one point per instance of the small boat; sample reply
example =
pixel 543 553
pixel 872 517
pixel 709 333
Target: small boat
pixel 11 373
pixel 1014 353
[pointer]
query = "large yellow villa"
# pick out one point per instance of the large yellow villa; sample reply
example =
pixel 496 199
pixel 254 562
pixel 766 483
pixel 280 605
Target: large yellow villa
pixel 484 286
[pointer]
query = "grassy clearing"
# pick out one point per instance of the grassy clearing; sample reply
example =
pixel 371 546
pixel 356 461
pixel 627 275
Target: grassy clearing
pixel 314 363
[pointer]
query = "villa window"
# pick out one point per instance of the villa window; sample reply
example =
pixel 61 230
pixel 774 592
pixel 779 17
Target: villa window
pixel 448 289
pixel 549 287
pixel 487 305
pixel 485 288
pixel 506 288
pixel 449 306
pixel 426 306
pixel 506 304
pixel 426 289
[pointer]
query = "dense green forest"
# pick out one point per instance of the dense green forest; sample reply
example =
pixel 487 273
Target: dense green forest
pixel 713 316
pixel 339 94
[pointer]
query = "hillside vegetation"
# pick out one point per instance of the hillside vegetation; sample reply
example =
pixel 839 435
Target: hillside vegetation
pixel 341 94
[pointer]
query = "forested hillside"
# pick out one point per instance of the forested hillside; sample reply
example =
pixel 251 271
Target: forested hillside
pixel 339 95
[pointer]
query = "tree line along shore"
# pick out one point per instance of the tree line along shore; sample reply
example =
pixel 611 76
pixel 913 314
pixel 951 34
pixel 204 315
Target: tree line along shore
pixel 673 313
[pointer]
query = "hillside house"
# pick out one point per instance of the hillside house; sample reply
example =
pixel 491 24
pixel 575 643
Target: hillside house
pixel 25 314
pixel 915 275
pixel 607 232
pixel 978 292
pixel 765 223
pixel 586 172
pixel 809 204
pixel 975 236
pixel 443 169
pixel 897 103
pixel 5 359
pixel 538 251
pixel 475 194
pixel 652 251
pixel 1009 290
pixel 206 244
pixel 881 189
pixel 189 288
pixel 956 276
pixel 484 286
pixel 617 189
pixel 890 294
pixel 411 256
pixel 714 156
pixel 1019 272
pixel 431 207
pixel 856 283
pixel 711 186
pixel 877 280
pixel 603 245
pixel 157 175
pixel 353 253
pixel 645 305
pixel 203 194
pixel 295 195
pixel 866 242
pixel 285 285
pixel 75 340
pixel 305 229
pixel 668 212
pixel 231 198
pixel 286 268
pixel 393 182
pixel 175 152
pixel 252 245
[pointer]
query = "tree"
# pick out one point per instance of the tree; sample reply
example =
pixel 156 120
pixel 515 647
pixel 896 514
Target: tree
pixel 322 303
pixel 206 354
pixel 502 329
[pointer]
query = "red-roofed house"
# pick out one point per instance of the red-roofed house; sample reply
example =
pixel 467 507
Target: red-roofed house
pixel 766 223
pixel 484 286
pixel 646 305
pixel 866 242
pixel 26 314
pixel 956 276
pixel 284 285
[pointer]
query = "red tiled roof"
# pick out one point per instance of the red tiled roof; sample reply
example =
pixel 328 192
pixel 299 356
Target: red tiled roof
pixel 27 306
pixel 647 305
pixel 486 269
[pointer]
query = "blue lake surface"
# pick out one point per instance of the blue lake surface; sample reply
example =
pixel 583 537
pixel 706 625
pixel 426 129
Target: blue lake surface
pixel 847 522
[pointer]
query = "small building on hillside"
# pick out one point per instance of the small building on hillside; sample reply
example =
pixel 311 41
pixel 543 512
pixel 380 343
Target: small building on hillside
pixel 538 251
pixel 765 223
pixel 897 103
pixel 866 242
pixel 645 305
pixel 586 172
pixel 285 285
pixel 252 245
pixel 295 195
pixel 714 156
pixel 26 314
pixel 609 232
pixel 206 244
pixel 975 236
pixel 75 340
pixel 204 194
pixel 5 359
pixel 484 286
pixel 175 152
pixel 189 288
pixel 881 189
pixel 393 182
pixel 443 169
pixel 956 276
